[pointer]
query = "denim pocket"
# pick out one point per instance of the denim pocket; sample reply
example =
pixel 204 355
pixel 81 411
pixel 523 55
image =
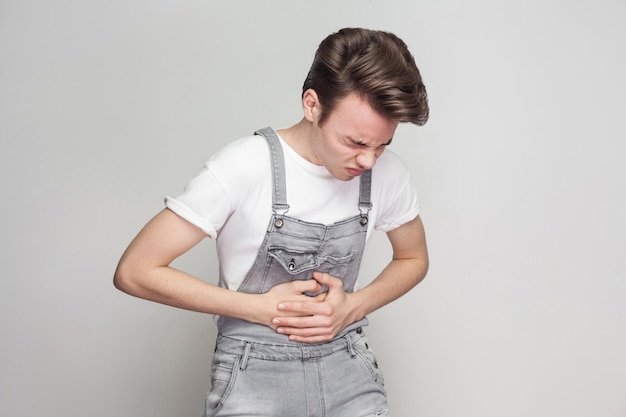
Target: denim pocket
pixel 294 262
pixel 223 373
pixel 367 356
pixel 287 265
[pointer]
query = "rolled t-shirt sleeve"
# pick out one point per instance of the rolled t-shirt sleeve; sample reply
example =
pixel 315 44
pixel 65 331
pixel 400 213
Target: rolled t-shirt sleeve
pixel 204 202
pixel 399 200
pixel 405 210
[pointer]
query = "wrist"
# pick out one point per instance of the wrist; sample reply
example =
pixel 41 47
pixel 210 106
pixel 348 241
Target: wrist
pixel 257 309
pixel 356 307
pixel 244 306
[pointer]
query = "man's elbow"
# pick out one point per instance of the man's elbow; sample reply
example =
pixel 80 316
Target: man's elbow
pixel 422 269
pixel 123 279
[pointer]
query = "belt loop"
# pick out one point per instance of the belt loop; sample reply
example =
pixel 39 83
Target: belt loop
pixel 244 357
pixel 350 346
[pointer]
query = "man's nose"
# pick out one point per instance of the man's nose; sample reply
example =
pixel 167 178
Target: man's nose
pixel 367 158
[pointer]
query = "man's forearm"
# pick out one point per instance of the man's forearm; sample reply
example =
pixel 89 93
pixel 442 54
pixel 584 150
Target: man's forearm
pixel 398 278
pixel 175 288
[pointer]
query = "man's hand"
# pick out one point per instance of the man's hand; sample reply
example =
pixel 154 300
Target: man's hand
pixel 313 322
pixel 292 291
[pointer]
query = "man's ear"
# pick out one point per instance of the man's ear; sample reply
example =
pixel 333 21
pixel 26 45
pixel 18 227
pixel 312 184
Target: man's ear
pixel 311 105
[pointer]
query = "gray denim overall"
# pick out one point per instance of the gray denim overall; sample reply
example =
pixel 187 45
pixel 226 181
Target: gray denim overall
pixel 257 371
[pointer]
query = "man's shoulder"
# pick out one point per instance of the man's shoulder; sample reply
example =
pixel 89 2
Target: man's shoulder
pixel 247 146
pixel 390 166
pixel 247 154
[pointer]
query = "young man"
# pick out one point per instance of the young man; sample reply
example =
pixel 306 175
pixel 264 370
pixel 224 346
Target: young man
pixel 291 211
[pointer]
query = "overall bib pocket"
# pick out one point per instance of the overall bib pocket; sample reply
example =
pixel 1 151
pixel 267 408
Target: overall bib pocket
pixel 285 265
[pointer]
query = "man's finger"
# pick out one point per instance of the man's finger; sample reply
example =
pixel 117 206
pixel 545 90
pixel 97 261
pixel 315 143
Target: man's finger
pixel 306 308
pixel 327 279
pixel 309 285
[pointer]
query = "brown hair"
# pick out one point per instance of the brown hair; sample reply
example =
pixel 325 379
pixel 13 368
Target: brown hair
pixel 375 65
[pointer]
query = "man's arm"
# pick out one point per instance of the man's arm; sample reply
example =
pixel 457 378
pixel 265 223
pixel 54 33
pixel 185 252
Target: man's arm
pixel 317 322
pixel 144 271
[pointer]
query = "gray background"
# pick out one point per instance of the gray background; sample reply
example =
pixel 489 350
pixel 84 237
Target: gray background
pixel 105 107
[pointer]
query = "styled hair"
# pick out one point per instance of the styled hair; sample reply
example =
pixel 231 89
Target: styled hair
pixel 375 65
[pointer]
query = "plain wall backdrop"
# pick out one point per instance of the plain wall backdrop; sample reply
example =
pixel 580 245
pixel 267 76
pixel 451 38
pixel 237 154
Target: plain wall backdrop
pixel 106 107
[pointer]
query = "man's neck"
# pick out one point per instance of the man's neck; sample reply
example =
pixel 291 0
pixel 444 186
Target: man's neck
pixel 299 138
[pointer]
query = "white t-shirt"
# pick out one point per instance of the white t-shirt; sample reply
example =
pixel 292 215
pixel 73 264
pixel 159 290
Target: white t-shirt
pixel 231 199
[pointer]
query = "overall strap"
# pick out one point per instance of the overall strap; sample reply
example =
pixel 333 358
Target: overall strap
pixel 279 195
pixel 365 195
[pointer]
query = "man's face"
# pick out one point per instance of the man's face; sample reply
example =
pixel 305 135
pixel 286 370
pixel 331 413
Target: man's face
pixel 351 139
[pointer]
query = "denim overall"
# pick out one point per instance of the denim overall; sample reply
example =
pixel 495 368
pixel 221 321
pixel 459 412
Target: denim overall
pixel 259 372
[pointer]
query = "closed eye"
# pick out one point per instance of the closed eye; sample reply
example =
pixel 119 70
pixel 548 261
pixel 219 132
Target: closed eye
pixel 359 144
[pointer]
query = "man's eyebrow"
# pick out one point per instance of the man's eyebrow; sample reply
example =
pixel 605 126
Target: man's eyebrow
pixel 360 143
